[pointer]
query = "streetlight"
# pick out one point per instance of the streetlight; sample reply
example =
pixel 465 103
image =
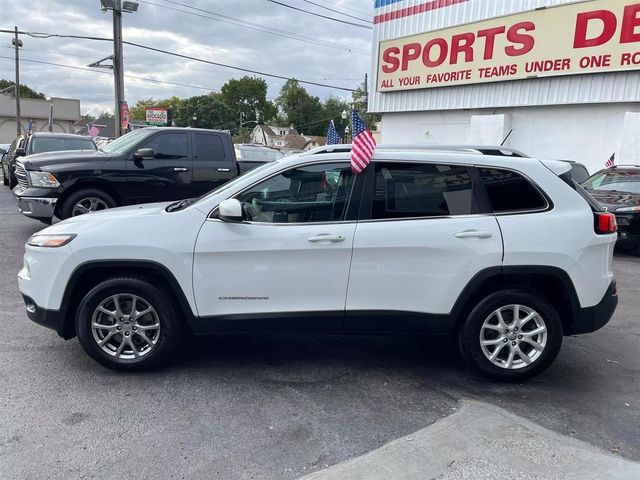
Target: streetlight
pixel 344 120
pixel 346 134
pixel 194 120
pixel 118 6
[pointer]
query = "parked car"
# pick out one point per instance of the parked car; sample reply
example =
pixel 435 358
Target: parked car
pixel 618 190
pixel 146 165
pixel 507 254
pixel 38 143
pixel 256 153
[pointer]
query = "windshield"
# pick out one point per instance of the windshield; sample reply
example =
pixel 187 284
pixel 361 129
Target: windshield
pixel 614 180
pixel 263 154
pixel 53 144
pixel 125 142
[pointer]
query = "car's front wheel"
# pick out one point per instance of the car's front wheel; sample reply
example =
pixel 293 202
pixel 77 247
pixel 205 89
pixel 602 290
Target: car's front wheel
pixel 86 201
pixel 5 180
pixel 128 324
pixel 511 335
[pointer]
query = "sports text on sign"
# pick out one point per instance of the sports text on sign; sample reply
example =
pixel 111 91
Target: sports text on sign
pixel 585 37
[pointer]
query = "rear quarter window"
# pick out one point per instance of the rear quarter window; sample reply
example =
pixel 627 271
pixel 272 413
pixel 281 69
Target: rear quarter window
pixel 508 191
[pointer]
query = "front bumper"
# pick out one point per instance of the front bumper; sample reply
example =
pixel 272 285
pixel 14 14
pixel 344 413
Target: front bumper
pixel 590 319
pixel 34 207
pixel 53 319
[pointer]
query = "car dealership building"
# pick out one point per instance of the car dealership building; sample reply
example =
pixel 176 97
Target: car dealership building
pixel 555 78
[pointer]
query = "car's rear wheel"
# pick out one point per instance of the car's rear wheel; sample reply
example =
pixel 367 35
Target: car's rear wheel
pixel 128 324
pixel 5 180
pixel 86 201
pixel 511 335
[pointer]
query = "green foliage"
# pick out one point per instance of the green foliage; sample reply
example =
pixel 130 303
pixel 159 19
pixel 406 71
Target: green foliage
pixel 300 109
pixel 25 92
pixel 247 96
pixel 210 112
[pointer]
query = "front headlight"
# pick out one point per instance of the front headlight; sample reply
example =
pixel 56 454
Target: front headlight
pixel 43 179
pixel 51 241
pixel 628 209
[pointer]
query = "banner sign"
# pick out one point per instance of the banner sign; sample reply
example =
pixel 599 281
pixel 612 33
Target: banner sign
pixel 158 116
pixel 586 37
pixel 124 115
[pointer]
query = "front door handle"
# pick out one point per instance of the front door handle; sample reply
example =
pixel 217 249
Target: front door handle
pixel 224 169
pixel 326 238
pixel 473 234
pixel 180 169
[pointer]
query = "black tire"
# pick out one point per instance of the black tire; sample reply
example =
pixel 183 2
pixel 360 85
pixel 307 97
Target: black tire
pixel 12 181
pixel 5 180
pixel 469 336
pixel 166 341
pixel 66 210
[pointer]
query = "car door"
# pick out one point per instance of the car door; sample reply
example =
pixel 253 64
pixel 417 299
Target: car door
pixel 167 176
pixel 423 236
pixel 213 162
pixel 287 265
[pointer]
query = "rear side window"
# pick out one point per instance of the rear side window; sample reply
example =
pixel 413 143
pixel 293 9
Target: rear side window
pixel 409 190
pixel 509 191
pixel 209 147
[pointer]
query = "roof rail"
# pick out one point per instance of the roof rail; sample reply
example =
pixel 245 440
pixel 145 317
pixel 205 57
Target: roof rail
pixel 495 150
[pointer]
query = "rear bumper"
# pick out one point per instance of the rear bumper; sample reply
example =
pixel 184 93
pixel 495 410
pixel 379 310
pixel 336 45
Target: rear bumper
pixel 590 319
pixel 53 319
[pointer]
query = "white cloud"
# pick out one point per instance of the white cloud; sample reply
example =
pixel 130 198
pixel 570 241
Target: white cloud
pixel 185 34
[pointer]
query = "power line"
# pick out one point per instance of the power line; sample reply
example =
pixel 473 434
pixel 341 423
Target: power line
pixel 210 15
pixel 355 10
pixel 135 77
pixel 179 55
pixel 320 15
pixel 337 11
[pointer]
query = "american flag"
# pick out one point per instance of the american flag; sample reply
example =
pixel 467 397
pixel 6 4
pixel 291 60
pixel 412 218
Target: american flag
pixel 611 162
pixel 333 137
pixel 363 145
pixel 92 130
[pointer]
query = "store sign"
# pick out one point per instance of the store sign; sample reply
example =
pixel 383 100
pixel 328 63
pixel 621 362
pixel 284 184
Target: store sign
pixel 586 37
pixel 158 116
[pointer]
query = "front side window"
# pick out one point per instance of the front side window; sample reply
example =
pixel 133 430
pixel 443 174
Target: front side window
pixel 169 146
pixel 410 190
pixel 316 193
pixel 508 191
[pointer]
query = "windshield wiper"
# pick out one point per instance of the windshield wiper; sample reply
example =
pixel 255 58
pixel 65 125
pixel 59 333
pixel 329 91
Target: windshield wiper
pixel 182 204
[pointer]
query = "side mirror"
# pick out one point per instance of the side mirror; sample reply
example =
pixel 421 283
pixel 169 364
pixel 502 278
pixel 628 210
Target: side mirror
pixel 20 152
pixel 230 210
pixel 144 154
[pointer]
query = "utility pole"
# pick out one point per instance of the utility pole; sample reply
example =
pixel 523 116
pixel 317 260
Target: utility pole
pixel 366 92
pixel 17 43
pixel 118 66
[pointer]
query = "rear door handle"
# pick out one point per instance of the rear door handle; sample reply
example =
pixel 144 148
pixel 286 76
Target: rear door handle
pixel 473 234
pixel 326 238
pixel 180 169
pixel 224 169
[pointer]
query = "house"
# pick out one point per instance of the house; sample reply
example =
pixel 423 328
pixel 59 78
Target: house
pixel 285 139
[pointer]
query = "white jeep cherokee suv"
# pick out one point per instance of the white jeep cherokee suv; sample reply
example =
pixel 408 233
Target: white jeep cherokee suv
pixel 504 252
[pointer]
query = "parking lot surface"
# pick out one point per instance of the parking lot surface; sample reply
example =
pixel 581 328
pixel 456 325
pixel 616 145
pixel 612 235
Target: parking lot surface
pixel 280 406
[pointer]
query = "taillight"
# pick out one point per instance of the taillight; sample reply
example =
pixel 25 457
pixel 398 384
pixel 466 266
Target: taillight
pixel 605 223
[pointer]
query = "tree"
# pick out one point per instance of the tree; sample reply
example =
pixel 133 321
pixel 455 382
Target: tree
pixel 360 105
pixel 210 112
pixel 301 110
pixel 247 96
pixel 25 92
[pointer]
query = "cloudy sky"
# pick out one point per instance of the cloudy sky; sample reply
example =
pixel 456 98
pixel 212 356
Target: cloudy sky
pixel 333 53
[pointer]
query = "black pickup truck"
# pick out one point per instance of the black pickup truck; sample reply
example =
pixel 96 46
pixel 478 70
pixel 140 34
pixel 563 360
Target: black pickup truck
pixel 146 165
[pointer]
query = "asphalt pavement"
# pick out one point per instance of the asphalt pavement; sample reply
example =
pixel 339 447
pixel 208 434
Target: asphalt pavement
pixel 281 406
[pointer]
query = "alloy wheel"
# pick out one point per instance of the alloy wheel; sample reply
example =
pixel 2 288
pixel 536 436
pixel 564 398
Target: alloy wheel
pixel 513 336
pixel 126 326
pixel 88 205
